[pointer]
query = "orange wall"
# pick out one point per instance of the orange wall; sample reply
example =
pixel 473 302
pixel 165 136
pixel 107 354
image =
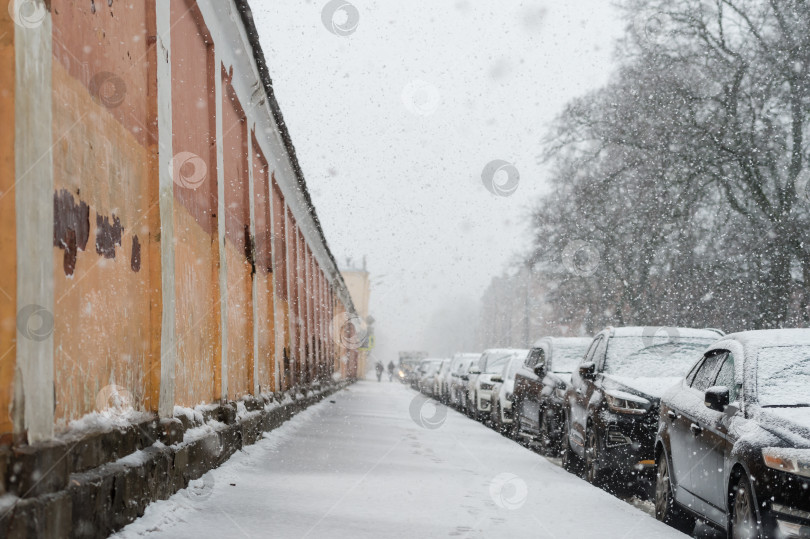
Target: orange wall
pixel 106 213
pixel 238 243
pixel 107 255
pixel 8 227
pixel 280 282
pixel 196 269
pixel 264 275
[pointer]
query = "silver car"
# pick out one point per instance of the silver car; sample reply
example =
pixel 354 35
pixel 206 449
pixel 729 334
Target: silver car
pixel 480 384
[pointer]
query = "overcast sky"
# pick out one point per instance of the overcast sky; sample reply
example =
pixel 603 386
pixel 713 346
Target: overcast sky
pixel 394 122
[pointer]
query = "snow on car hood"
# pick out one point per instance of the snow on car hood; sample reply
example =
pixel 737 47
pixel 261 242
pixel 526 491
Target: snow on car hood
pixel 646 387
pixel 790 424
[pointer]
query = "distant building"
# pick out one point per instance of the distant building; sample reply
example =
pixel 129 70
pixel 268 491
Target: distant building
pixel 515 312
pixel 358 282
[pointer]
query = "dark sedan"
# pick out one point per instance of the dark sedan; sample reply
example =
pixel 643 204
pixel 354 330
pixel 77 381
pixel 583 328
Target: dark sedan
pixel 733 446
pixel 540 386
pixel 611 414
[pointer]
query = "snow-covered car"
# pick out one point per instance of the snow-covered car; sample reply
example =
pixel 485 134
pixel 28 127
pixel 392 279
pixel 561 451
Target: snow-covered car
pixel 540 386
pixel 440 381
pixel 458 380
pixel 428 377
pixel 480 384
pixel 611 408
pixel 502 391
pixel 733 445
pixel 419 373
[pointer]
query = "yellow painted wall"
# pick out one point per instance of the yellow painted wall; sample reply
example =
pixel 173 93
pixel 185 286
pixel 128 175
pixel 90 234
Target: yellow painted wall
pixel 102 311
pixel 240 323
pixel 266 330
pixel 197 325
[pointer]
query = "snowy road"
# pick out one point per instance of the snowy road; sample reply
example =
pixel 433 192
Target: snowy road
pixel 359 464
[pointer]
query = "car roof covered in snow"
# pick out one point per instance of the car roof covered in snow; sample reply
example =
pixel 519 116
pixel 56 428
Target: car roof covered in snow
pixel 654 331
pixel 573 341
pixel 466 355
pixel 756 339
pixel 499 350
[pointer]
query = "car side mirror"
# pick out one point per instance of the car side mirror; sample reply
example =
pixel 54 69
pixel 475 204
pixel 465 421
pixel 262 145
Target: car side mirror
pixel 587 370
pixel 540 370
pixel 475 370
pixel 717 398
pixel 496 378
pixel 465 377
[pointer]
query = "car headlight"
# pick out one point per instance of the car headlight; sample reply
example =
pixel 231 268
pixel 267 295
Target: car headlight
pixel 486 387
pixel 795 461
pixel 625 405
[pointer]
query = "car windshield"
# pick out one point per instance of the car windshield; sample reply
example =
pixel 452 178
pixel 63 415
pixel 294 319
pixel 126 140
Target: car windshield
pixel 642 357
pixel 496 364
pixel 783 376
pixel 566 357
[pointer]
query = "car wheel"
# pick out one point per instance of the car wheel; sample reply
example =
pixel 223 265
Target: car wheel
pixel 542 436
pixel 570 460
pixel 666 509
pixel 593 474
pixel 743 514
pixel 517 428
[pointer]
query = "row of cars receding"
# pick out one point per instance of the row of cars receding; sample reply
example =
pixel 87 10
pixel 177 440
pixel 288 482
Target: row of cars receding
pixel 718 426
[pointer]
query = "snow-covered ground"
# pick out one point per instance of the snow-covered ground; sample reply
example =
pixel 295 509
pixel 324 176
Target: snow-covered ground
pixel 378 460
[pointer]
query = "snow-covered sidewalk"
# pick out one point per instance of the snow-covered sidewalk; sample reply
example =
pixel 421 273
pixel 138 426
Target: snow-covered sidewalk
pixel 378 460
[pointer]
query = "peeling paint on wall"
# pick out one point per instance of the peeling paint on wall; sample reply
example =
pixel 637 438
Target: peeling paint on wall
pixel 107 235
pixel 71 227
pixel 135 261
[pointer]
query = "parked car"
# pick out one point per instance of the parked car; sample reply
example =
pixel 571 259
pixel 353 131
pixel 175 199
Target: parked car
pixel 408 364
pixel 733 444
pixel 419 373
pixel 540 387
pixel 480 382
pixel 458 381
pixel 503 390
pixel 428 377
pixel 440 381
pixel 611 408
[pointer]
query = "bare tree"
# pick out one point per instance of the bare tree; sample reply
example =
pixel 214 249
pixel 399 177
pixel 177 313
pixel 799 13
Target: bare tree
pixel 688 172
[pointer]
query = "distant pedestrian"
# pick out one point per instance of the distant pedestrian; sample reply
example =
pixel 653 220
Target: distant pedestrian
pixel 379 368
pixel 390 371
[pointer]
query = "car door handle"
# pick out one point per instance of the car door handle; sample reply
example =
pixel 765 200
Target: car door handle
pixel 695 428
pixel 672 415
